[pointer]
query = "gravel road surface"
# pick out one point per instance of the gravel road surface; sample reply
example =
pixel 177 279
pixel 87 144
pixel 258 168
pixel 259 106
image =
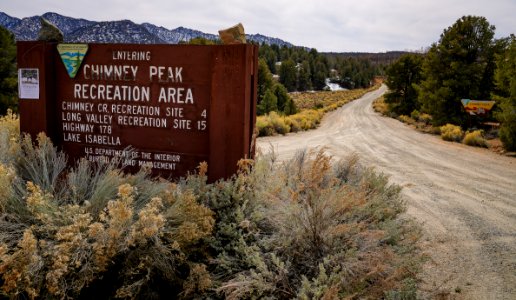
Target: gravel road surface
pixel 464 197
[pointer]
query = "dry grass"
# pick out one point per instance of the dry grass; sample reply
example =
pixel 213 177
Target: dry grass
pixel 407 120
pixel 380 106
pixel 317 100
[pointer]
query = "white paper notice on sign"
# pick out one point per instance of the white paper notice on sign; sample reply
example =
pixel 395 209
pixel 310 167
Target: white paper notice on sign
pixel 28 83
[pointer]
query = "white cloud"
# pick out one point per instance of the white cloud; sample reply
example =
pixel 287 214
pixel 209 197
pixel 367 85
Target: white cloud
pixel 359 25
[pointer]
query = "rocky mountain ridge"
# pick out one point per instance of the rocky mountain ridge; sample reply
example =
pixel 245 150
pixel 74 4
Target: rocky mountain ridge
pixel 123 31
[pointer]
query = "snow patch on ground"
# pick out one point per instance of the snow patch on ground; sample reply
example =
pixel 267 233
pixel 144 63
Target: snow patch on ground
pixel 334 86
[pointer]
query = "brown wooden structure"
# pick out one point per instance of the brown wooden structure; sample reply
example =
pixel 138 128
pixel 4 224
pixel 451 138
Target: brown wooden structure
pixel 175 105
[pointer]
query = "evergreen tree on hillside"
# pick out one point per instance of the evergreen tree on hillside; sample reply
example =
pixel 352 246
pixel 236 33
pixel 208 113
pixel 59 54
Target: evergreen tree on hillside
pixel 288 74
pixel 309 69
pixel 202 41
pixel 461 65
pixel 320 69
pixel 505 78
pixel 8 78
pixel 319 75
pixel 267 88
pixel 303 80
pixel 269 55
pixel 285 53
pixel 355 72
pixel 265 80
pixel 281 94
pixel 290 107
pixel 403 76
pixel 269 103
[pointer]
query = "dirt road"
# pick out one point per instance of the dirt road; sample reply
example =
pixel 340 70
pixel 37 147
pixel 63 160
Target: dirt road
pixel 464 197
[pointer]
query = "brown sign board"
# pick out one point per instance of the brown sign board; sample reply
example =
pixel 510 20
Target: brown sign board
pixel 174 105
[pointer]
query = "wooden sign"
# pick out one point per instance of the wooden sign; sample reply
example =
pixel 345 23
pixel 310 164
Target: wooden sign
pixel 174 105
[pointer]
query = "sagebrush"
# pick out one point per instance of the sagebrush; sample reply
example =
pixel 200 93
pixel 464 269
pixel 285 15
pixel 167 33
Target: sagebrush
pixel 450 132
pixel 475 138
pixel 306 228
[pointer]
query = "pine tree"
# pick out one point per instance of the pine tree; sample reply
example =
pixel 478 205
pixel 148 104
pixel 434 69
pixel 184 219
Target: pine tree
pixel 269 103
pixel 505 78
pixel 403 76
pixel 290 107
pixel 265 81
pixel 270 56
pixel 303 82
pixel 8 78
pixel 460 65
pixel 284 101
pixel 203 41
pixel 320 73
pixel 288 74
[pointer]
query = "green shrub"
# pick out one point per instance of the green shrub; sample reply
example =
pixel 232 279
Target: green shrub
pixel 508 136
pixel 421 117
pixel 450 132
pixel 313 216
pixel 272 124
pixel 293 124
pixel 406 119
pixel 425 118
pixel 380 106
pixel 278 123
pixel 64 236
pixel 307 228
pixel 9 137
pixel 264 126
pixel 435 130
pixel 415 114
pixel 475 138
pixel 307 119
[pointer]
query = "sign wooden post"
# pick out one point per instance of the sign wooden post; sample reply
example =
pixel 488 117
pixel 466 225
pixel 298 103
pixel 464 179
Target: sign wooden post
pixel 175 105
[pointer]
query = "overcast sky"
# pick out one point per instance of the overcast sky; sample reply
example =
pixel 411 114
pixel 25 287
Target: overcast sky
pixel 341 26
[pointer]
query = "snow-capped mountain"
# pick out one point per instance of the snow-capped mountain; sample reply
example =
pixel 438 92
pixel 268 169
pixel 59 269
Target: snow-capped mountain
pixel 8 21
pixel 124 31
pixel 67 24
pixel 177 35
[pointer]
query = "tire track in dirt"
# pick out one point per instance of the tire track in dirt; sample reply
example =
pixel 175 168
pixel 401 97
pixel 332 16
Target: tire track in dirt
pixel 465 197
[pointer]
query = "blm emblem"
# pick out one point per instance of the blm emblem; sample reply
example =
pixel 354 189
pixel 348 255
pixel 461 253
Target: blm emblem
pixel 72 56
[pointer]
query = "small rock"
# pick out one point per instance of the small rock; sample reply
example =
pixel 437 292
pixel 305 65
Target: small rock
pixel 233 35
